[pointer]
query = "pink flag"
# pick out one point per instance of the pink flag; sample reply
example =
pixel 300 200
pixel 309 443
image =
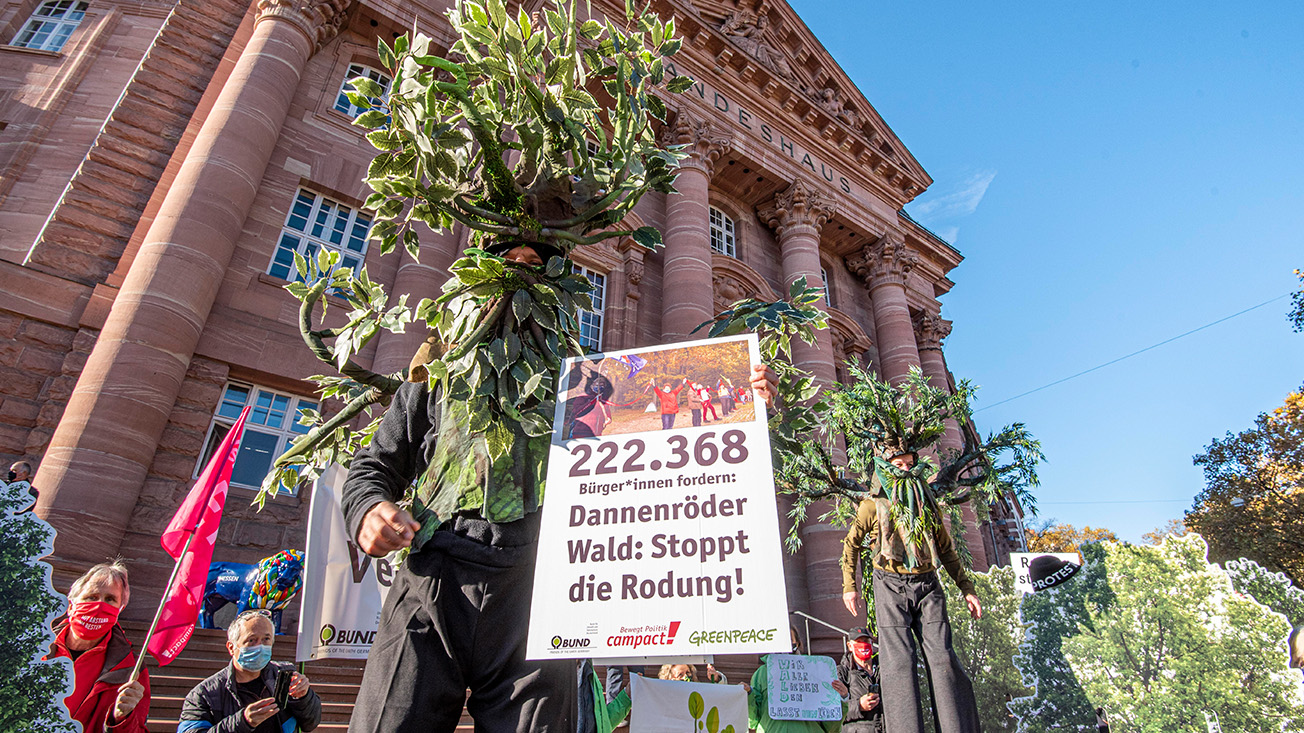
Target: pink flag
pixel 199 517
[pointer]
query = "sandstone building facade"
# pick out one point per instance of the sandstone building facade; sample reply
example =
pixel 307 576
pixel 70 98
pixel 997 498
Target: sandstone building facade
pixel 162 160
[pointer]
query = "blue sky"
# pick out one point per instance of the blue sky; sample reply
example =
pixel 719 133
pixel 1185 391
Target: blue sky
pixel 1115 174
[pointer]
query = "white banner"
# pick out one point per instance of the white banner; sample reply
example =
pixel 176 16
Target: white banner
pixel 666 706
pixel 1022 561
pixel 343 588
pixel 660 537
pixel 800 687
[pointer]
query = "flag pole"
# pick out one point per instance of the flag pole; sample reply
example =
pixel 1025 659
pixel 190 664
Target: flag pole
pixel 158 613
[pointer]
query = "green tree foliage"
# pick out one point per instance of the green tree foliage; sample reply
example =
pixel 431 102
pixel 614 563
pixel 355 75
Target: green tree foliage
pixel 32 690
pixel 1273 590
pixel 871 417
pixel 533 129
pixel 1252 505
pixel 1157 636
pixel 1174 527
pixel 1297 299
pixel 987 646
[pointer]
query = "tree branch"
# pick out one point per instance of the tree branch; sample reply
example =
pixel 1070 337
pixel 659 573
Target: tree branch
pixel 388 384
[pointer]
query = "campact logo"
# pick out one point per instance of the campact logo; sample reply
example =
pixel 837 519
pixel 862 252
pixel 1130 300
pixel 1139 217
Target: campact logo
pixel 327 633
pixel 634 638
pixel 560 643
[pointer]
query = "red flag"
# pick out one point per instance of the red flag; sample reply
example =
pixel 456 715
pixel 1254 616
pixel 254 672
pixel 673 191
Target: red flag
pixel 198 518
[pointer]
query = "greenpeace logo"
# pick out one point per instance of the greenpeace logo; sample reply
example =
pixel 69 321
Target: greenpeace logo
pixel 346 637
pixel 731 636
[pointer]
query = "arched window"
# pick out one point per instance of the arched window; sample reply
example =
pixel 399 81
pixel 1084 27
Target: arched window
pixel 722 233
pixel 51 25
pixel 342 103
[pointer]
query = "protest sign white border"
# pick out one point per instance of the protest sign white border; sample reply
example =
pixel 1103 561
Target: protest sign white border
pixel 733 532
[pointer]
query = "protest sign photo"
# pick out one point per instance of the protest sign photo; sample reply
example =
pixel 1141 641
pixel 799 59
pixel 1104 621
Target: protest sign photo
pixel 664 544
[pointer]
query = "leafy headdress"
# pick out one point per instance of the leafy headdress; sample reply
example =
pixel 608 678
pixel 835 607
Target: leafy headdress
pixel 531 129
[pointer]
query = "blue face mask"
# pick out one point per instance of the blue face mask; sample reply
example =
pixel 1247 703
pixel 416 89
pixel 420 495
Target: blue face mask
pixel 255 657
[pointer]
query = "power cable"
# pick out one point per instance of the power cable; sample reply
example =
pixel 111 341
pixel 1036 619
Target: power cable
pixel 1136 353
pixel 1124 501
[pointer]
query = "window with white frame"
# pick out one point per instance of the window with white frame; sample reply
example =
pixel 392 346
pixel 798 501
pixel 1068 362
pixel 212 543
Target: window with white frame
pixel 342 103
pixel 273 423
pixel 315 222
pixel 828 292
pixel 51 25
pixel 591 320
pixel 722 233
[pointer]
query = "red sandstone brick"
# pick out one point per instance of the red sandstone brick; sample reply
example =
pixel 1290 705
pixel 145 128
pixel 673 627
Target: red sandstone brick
pixel 50 414
pixel 173 465
pixel 21 383
pixel 13 439
pixel 59 389
pixel 9 324
pixel 179 440
pixel 10 351
pixel 17 411
pixel 255 534
pixel 41 361
pixel 189 418
pixel 199 394
pixel 74 362
pixel 208 370
pixel 44 333
pixel 37 441
pixel 85 340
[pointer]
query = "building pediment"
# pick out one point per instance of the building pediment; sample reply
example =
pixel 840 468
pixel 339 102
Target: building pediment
pixel 768 45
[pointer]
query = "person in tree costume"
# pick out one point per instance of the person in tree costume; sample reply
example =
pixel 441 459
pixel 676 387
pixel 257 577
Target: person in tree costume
pixel 538 133
pixel 909 542
pixel 457 613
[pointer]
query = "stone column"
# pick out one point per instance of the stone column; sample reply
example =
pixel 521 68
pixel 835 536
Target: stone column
pixel 98 457
pixel 797 214
pixel 884 266
pixel 419 279
pixel 686 270
pixel 930 330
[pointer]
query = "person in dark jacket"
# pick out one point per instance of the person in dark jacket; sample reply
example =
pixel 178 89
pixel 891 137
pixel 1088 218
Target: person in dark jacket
pixel 239 698
pixel 104 698
pixel 858 670
pixel 454 618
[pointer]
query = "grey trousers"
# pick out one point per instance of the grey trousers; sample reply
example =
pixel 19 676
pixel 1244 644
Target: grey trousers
pixel 455 618
pixel 911 607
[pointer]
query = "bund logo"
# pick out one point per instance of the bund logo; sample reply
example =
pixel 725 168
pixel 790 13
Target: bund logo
pixel 327 633
pixel 560 643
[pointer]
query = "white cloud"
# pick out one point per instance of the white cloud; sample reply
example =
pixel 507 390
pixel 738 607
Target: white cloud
pixel 939 212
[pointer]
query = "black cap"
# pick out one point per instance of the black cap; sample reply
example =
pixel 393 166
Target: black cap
pixel 858 632
pixel 1048 571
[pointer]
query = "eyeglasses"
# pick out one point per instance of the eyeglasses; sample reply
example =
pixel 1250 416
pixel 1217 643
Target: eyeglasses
pixel 251 613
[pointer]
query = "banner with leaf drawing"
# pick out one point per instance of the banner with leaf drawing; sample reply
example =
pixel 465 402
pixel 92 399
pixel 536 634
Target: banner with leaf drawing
pixel 669 705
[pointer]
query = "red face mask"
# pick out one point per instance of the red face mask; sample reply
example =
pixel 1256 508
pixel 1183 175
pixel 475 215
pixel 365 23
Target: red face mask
pixel 92 620
pixel 862 649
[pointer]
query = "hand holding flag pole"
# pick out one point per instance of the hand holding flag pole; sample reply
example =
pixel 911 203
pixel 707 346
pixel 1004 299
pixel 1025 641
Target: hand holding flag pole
pixel 198 518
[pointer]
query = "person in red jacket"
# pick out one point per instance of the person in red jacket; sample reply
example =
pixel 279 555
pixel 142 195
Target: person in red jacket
pixel 104 699
pixel 669 402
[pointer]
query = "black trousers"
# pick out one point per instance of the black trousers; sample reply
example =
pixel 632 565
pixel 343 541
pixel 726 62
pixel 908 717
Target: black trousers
pixel 457 617
pixel 911 607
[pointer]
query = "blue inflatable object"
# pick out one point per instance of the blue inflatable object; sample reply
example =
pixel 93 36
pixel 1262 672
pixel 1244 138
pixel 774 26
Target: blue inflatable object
pixel 271 584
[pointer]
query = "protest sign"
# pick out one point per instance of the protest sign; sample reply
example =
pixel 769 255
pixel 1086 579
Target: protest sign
pixel 669 705
pixel 660 533
pixel 343 588
pixel 1022 561
pixel 801 688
